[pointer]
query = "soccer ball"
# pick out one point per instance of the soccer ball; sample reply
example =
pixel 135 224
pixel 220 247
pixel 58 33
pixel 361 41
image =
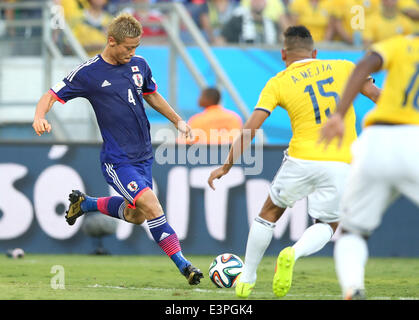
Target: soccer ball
pixel 225 269
pixel 16 253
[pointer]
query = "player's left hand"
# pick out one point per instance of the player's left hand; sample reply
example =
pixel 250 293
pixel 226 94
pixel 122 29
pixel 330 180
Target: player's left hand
pixel 217 174
pixel 334 127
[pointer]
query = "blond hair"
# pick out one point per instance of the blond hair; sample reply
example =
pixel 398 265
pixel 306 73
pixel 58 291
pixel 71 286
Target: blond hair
pixel 124 26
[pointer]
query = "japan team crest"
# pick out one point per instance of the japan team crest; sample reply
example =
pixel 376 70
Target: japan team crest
pixel 132 186
pixel 138 79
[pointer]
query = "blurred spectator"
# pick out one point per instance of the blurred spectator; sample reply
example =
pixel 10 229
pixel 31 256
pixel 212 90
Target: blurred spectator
pixel 342 19
pixel 411 9
pixel 314 15
pixel 114 6
pixel 90 29
pixel 250 26
pixel 149 18
pixel 388 22
pixel 24 39
pixel 73 10
pixel 194 8
pixel 216 124
pixel 5 15
pixel 23 14
pixel 276 11
pixel 214 15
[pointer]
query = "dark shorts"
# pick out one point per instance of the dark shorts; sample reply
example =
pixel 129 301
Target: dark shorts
pixel 129 180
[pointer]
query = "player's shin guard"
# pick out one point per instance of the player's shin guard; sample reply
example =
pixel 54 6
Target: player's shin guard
pixel 313 240
pixel 112 206
pixel 167 239
pixel 260 236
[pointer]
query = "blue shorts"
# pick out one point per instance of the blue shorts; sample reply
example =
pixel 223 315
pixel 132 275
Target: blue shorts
pixel 129 180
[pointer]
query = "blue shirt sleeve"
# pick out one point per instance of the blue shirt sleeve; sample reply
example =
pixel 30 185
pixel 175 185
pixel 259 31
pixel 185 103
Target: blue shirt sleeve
pixel 149 84
pixel 73 86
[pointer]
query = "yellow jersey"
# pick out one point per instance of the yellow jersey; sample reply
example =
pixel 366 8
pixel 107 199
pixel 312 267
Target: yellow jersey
pixel 274 9
pixel 89 35
pixel 73 10
pixel 309 90
pixel 314 17
pixel 399 99
pixel 379 28
pixel 347 11
pixel 410 5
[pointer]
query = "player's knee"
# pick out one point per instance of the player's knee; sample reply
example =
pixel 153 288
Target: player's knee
pixel 134 216
pixel 333 225
pixel 139 220
pixel 149 209
pixel 363 235
pixel 270 211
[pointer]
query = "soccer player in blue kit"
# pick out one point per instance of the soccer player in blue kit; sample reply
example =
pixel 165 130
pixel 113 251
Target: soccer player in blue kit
pixel 115 82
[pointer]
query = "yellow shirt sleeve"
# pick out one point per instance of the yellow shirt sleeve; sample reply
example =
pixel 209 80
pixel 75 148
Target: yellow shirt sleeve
pixel 387 49
pixel 269 97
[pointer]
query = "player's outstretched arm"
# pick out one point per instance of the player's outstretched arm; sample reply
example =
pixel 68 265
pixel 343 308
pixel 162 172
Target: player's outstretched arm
pixel 240 143
pixel 158 103
pixel 371 91
pixel 369 64
pixel 334 127
pixel 40 124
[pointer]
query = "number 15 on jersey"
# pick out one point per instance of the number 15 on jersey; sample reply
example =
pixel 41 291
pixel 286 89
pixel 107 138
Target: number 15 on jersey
pixel 320 86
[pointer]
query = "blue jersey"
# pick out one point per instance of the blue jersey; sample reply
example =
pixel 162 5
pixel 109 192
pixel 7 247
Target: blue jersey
pixel 116 94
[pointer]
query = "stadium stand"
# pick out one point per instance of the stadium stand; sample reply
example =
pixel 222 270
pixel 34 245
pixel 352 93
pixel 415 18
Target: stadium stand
pixel 181 58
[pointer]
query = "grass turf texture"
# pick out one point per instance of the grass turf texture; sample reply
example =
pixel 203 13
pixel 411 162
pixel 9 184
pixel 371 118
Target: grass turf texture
pixel 155 277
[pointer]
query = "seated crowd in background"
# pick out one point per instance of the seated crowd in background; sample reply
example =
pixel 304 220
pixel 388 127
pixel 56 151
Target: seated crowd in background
pixel 258 22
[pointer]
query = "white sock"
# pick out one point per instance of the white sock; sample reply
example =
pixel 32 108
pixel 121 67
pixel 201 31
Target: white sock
pixel 313 239
pixel 260 236
pixel 351 255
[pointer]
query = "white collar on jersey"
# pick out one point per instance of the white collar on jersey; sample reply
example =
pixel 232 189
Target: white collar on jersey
pixel 302 61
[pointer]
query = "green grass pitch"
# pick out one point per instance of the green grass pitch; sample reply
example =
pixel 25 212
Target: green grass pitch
pixel 88 277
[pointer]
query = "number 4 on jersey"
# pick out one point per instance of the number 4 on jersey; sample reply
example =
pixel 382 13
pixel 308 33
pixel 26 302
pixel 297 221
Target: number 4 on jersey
pixel 131 97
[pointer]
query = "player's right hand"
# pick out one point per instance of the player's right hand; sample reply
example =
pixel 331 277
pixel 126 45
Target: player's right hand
pixel 185 130
pixel 333 128
pixel 40 125
pixel 216 174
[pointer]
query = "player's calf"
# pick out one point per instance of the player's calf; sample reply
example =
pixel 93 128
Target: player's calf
pixel 167 239
pixel 134 216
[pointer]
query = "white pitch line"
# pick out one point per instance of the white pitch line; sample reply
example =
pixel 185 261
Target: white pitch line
pixel 157 289
pixel 229 292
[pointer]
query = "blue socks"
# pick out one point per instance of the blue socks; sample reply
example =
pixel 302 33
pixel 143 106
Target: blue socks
pixel 167 239
pixel 89 204
pixel 160 229
pixel 111 206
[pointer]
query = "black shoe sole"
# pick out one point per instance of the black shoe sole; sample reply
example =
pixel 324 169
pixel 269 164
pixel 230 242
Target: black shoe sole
pixel 73 197
pixel 195 278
